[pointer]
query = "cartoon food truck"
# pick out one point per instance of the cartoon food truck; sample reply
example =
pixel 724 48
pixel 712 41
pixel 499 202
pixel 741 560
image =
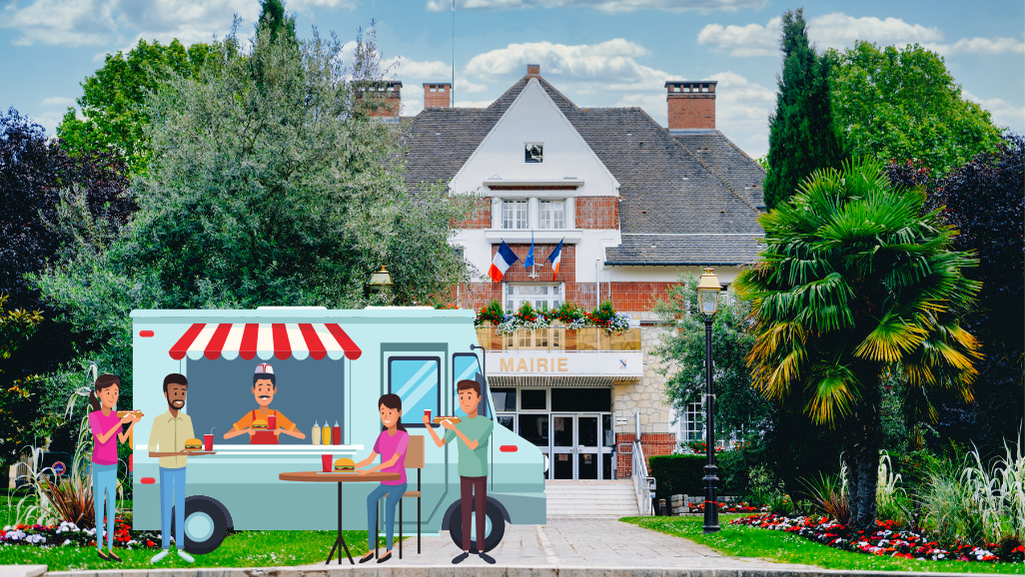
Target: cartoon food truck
pixel 331 366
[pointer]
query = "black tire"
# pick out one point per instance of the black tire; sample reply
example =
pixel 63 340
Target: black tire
pixel 206 524
pixel 491 539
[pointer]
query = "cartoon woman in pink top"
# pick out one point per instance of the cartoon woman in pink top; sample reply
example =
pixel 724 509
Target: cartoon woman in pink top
pixel 104 424
pixel 391 446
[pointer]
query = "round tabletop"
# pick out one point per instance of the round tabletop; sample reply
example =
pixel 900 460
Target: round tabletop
pixel 346 477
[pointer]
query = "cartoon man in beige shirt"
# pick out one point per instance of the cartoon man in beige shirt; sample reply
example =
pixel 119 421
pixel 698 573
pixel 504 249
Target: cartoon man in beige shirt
pixel 167 441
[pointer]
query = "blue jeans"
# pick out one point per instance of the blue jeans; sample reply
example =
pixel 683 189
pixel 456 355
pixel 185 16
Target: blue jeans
pixel 172 493
pixel 104 484
pixel 395 493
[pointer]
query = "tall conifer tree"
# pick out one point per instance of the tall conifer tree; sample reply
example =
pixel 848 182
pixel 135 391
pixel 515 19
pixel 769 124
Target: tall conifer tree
pixel 801 137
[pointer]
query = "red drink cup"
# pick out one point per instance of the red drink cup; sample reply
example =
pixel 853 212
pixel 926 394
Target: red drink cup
pixel 427 413
pixel 272 421
pixel 208 443
pixel 325 461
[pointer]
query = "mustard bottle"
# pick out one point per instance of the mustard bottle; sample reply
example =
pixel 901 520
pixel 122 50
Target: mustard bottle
pixel 316 434
pixel 325 434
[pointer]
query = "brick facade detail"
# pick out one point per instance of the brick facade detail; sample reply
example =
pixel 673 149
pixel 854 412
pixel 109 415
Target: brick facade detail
pixel 480 218
pixel 694 111
pixel 635 296
pixel 597 212
pixel 653 444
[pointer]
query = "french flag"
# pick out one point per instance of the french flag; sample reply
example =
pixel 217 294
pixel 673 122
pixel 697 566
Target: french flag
pixel 504 259
pixel 556 258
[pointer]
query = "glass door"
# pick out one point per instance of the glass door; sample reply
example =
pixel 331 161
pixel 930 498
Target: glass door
pixel 587 446
pixel 563 447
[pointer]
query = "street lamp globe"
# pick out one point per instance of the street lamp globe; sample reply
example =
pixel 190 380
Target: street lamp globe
pixel 708 292
pixel 380 279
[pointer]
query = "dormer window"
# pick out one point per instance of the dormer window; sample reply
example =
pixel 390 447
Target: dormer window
pixel 534 152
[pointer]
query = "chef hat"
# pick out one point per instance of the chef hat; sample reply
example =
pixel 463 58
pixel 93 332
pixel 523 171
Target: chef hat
pixel 264 369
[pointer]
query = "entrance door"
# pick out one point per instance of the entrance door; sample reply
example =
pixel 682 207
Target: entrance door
pixel 564 447
pixel 576 447
pixel 588 443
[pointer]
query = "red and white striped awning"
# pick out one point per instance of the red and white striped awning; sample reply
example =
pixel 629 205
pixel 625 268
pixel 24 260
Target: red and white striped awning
pixel 265 340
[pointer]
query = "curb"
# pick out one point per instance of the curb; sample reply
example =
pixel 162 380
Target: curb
pixel 472 571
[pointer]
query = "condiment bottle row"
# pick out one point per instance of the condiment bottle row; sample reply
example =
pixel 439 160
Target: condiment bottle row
pixel 326 435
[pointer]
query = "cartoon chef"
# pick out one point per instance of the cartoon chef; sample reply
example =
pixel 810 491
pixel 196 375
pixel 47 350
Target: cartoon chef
pixel 264 425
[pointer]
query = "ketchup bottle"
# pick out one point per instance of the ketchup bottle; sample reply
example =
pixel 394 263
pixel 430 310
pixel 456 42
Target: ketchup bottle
pixel 336 434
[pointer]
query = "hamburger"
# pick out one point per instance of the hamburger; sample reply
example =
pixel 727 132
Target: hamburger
pixel 438 420
pixel 193 445
pixel 259 424
pixel 344 464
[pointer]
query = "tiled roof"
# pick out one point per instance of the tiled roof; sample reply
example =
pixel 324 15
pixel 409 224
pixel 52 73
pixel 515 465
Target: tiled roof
pixel 670 184
pixel 684 250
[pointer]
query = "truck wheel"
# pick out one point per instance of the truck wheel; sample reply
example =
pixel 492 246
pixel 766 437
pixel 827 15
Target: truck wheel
pixel 493 533
pixel 206 523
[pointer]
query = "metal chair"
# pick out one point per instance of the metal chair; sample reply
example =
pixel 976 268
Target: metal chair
pixel 414 460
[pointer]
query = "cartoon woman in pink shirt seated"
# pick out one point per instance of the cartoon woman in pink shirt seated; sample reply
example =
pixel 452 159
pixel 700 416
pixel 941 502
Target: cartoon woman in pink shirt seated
pixel 106 429
pixel 391 446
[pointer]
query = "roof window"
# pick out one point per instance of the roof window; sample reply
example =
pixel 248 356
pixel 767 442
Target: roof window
pixel 534 152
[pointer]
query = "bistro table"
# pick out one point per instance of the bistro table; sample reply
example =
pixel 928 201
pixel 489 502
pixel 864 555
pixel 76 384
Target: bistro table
pixel 340 478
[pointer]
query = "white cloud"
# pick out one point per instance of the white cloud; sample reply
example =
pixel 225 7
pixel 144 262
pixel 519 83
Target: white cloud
pixel 464 85
pixel 703 6
pixel 609 66
pixel 410 107
pixel 473 104
pixel 998 45
pixel 58 101
pixel 49 120
pixel 1003 113
pixel 93 22
pixel 401 67
pixel 838 30
pixel 750 40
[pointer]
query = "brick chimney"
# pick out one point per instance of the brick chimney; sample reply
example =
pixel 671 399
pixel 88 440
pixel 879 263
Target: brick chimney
pixel 533 70
pixel 387 97
pixel 438 95
pixel 691 104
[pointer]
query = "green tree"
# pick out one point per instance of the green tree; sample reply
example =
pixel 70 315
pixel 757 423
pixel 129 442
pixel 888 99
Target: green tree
pixel 281 195
pixel 112 116
pixel 902 104
pixel 274 20
pixel 682 353
pixel 856 278
pixel 801 138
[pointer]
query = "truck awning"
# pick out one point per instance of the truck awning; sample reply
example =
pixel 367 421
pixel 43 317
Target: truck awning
pixel 265 340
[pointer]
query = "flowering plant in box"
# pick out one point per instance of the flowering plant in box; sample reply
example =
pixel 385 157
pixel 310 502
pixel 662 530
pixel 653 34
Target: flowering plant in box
pixel 606 318
pixel 491 313
pixel 568 314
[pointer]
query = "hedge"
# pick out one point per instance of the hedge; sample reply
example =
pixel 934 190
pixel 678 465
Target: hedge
pixel 678 474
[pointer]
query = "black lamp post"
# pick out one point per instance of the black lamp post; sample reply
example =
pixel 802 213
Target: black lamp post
pixel 708 300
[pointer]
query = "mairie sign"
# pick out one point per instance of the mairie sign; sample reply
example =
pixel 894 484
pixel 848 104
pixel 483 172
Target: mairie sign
pixel 566 363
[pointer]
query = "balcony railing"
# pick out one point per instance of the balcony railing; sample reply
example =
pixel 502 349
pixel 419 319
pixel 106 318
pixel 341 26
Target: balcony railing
pixel 559 338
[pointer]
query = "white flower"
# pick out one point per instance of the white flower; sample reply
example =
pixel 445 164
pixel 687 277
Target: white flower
pixel 66 542
pixel 16 535
pixel 35 539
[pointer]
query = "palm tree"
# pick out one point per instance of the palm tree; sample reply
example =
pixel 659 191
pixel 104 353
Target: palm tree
pixel 857 278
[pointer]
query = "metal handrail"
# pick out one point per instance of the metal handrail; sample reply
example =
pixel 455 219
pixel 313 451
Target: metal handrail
pixel 644 485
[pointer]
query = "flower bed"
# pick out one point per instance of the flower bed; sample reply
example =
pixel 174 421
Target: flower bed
pixel 727 508
pixel 70 534
pixel 885 540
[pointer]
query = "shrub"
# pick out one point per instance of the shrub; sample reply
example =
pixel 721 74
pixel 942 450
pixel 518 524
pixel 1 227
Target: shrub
pixel 678 474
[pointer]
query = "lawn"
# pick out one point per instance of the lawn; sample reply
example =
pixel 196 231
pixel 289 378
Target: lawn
pixel 242 549
pixel 743 541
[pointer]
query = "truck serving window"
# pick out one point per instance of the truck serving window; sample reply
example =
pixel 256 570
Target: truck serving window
pixel 465 366
pixel 417 381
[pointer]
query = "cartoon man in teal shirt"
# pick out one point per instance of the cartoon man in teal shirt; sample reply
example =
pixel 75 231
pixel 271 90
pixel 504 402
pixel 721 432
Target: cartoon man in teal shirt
pixel 474 431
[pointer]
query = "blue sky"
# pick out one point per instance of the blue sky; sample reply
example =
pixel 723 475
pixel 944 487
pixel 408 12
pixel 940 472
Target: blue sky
pixel 597 52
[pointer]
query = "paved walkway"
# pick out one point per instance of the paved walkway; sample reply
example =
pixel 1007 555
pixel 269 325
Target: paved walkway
pixel 604 543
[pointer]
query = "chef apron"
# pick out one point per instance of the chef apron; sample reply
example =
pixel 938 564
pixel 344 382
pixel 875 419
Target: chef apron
pixel 263 437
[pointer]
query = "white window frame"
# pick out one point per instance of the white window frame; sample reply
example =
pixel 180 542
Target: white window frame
pixel 551 213
pixel 514 212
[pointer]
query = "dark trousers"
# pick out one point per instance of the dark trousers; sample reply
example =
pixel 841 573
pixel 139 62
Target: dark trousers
pixel 471 488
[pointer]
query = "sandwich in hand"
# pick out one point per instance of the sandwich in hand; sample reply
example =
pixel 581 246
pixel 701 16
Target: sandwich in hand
pixel 193 445
pixel 344 464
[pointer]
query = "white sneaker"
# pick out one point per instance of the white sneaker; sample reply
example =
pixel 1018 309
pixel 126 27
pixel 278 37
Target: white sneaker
pixel 159 556
pixel 188 558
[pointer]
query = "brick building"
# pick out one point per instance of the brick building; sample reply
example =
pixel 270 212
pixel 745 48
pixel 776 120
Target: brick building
pixel 634 203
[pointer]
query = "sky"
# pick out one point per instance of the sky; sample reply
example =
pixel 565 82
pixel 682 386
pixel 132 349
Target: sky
pixel 599 53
